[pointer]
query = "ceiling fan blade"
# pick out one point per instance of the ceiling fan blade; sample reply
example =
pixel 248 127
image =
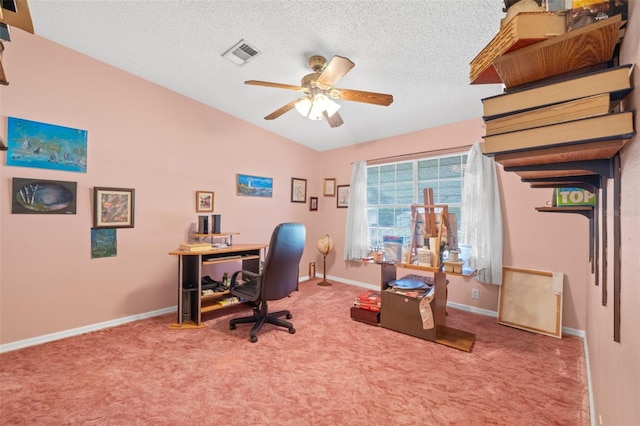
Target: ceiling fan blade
pixel 366 97
pixel 276 85
pixel 335 120
pixel 277 113
pixel 335 70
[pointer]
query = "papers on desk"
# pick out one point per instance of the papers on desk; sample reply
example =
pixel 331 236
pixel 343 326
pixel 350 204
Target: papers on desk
pixel 195 247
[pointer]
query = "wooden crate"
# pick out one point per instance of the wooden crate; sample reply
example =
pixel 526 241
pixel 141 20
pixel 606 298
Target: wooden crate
pixel 365 315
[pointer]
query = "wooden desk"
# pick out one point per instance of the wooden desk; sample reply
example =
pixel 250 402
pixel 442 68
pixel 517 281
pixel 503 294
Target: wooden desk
pixel 191 303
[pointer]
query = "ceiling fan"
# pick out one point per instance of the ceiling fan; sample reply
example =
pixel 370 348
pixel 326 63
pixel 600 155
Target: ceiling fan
pixel 318 102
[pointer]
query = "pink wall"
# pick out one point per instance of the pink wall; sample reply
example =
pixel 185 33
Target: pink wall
pixel 615 367
pixel 140 136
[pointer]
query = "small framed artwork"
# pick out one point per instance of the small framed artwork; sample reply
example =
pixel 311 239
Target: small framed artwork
pixel 204 201
pixel 39 196
pixel 104 243
pixel 329 188
pixel 298 190
pixel 254 186
pixel 342 201
pixel 313 203
pixel 113 207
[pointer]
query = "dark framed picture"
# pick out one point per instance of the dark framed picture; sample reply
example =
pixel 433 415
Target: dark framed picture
pixel 298 190
pixel 329 187
pixel 204 201
pixel 39 196
pixel 313 203
pixel 113 207
pixel 342 200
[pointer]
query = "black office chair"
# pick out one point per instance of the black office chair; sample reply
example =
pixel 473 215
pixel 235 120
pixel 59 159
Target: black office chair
pixel 278 279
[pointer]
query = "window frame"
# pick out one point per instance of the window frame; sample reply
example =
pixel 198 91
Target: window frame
pixel 400 211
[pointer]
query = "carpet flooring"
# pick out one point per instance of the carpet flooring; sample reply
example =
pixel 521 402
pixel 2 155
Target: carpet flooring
pixel 333 371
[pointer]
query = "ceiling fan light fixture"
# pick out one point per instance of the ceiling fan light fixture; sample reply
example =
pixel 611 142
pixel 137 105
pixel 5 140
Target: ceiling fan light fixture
pixel 303 106
pixel 319 105
pixel 313 107
pixel 332 107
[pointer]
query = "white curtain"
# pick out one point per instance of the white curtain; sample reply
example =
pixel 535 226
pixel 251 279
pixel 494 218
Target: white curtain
pixel 356 245
pixel 482 216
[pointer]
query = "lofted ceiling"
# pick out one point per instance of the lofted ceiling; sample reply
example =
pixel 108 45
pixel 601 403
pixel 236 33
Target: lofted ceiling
pixel 418 51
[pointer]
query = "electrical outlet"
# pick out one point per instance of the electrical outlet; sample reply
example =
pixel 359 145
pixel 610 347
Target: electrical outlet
pixel 475 294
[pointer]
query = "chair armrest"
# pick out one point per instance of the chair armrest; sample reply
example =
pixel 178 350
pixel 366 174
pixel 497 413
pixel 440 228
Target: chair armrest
pixel 249 274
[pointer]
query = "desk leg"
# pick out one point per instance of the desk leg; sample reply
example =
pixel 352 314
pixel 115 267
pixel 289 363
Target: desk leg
pixel 189 290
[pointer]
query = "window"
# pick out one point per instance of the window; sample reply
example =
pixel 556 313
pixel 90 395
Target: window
pixel 392 189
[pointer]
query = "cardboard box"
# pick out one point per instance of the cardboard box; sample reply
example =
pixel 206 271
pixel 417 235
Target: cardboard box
pixel 402 313
pixel 451 266
pixel 365 315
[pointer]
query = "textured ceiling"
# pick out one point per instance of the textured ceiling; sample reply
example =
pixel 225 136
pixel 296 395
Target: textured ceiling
pixel 418 51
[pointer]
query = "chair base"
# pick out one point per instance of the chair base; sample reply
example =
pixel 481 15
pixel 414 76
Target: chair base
pixel 261 316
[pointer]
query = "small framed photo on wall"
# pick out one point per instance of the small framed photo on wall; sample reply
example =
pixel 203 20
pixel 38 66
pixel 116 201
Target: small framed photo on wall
pixel 342 201
pixel 204 201
pixel 298 190
pixel 313 203
pixel 329 188
pixel 113 207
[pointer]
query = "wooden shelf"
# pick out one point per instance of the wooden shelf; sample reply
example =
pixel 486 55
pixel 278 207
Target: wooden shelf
pixel 586 211
pixel 185 325
pixel 228 259
pixel 586 46
pixel 226 234
pixel 215 307
pixel 215 295
pixel 597 150
pixel 431 269
pixel 524 29
pixel 584 164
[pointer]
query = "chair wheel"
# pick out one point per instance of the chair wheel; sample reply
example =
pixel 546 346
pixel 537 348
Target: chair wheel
pixel 292 331
pixel 289 316
pixel 232 326
pixel 253 339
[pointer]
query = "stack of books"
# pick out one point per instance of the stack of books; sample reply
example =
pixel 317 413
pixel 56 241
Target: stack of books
pixel 562 100
pixel 577 110
pixel 524 29
pixel 574 50
pixel 195 247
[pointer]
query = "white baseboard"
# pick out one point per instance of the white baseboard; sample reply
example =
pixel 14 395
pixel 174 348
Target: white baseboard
pixel 81 330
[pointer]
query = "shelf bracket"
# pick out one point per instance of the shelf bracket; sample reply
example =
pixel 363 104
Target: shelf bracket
pixel 616 247
pixel 605 250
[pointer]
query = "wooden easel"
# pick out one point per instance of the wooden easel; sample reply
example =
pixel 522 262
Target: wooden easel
pixel 436 222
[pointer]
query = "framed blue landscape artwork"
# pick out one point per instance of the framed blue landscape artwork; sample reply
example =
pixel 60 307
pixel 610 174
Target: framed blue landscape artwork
pixel 46 146
pixel 104 243
pixel 254 186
